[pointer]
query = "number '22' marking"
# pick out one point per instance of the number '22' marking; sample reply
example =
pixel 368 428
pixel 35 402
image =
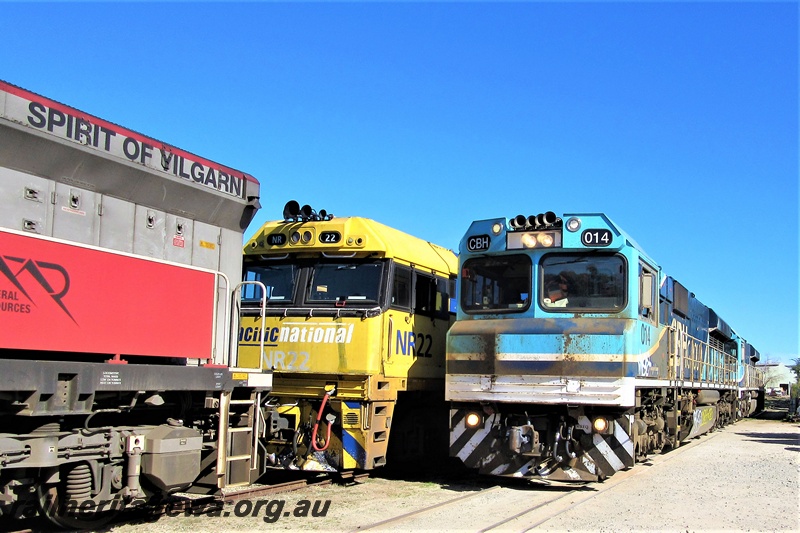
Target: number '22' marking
pixel 416 344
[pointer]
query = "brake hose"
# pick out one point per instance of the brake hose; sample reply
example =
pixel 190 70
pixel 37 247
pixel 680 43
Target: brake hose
pixel 316 426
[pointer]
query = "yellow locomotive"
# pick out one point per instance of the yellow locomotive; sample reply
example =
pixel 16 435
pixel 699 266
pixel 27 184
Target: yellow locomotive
pixel 351 315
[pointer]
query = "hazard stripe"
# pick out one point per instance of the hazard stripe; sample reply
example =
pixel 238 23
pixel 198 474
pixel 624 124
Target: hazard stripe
pixel 608 454
pixel 352 448
pixel 458 425
pixel 526 468
pixel 595 456
pixel 625 449
pixel 477 448
pixel 460 437
pixel 457 415
pixel 495 460
pixel 473 442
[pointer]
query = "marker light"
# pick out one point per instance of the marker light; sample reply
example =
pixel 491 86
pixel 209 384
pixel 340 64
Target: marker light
pixel 306 238
pixel 295 238
pixel 473 420
pixel 574 224
pixel 497 228
pixel 600 424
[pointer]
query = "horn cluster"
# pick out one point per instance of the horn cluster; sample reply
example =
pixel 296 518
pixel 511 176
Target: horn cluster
pixel 292 212
pixel 545 220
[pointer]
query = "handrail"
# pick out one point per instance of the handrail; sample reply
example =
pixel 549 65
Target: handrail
pixel 234 343
pixel 226 341
pixel 364 312
pixel 753 378
pixel 698 362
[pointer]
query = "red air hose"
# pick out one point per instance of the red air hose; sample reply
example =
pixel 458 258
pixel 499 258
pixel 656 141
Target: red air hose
pixel 316 426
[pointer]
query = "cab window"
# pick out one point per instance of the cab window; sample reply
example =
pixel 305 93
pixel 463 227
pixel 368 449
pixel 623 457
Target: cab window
pixel 496 284
pixel 582 282
pixel 431 297
pixel 345 283
pixel 401 288
pixel 648 295
pixel 279 281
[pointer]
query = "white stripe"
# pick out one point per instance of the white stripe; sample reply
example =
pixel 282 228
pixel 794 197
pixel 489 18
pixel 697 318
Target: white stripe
pixel 603 447
pixel 476 439
pixel 622 436
pixel 588 462
pixel 523 470
pixel 457 431
pixel 554 357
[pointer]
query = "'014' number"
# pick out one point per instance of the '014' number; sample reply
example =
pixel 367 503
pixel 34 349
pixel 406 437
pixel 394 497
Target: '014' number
pixel 596 237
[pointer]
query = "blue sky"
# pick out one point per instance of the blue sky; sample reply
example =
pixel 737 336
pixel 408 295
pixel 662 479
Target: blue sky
pixel 678 120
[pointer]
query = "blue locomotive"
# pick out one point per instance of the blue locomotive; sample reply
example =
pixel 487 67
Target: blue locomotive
pixel 573 355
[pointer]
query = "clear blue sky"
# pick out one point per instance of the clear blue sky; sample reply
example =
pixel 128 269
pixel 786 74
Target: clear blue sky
pixel 678 120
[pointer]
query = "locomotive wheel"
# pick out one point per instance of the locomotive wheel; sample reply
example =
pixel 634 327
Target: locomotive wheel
pixel 50 507
pixel 59 503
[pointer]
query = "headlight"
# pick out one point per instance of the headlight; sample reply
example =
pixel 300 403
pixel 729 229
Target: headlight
pixel 473 420
pixel 545 239
pixel 602 425
pixel 528 240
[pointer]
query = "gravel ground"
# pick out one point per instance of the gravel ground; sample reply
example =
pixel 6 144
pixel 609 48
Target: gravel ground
pixel 742 478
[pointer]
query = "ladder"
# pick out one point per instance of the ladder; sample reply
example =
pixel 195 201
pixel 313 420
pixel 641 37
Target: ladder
pixel 239 462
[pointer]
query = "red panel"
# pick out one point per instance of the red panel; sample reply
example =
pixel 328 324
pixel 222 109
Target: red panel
pixel 63 297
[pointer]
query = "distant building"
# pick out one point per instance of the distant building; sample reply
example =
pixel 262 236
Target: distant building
pixel 778 377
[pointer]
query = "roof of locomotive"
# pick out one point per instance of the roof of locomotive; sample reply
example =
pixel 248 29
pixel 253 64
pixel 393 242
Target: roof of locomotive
pixel 357 237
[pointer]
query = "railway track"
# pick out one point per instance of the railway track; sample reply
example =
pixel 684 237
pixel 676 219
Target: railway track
pixel 513 506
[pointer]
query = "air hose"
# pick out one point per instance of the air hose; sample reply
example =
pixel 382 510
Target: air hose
pixel 328 393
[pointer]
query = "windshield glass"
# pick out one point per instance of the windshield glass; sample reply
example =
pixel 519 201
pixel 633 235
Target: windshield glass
pixel 345 283
pixel 580 282
pixel 496 284
pixel 278 279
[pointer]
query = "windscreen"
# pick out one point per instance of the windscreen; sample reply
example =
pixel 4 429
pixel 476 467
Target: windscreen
pixel 582 282
pixel 318 283
pixel 279 281
pixel 496 284
pixel 343 283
